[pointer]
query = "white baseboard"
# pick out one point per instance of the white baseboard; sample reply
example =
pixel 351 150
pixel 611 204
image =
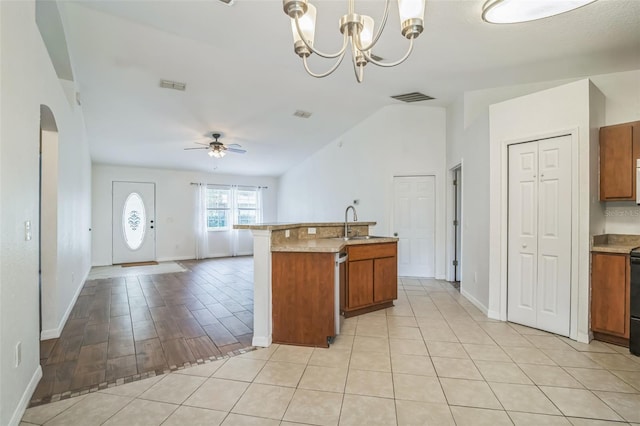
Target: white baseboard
pixel 583 338
pixel 54 333
pixel 175 258
pixel 494 315
pixel 475 302
pixel 26 397
pixel 263 341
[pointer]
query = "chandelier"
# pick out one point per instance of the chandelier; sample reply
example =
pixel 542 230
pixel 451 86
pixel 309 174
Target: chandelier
pixel 357 31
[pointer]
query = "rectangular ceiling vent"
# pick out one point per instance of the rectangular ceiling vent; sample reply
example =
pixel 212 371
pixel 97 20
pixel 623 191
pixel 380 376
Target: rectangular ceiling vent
pixel 413 97
pixel 302 114
pixel 168 84
pixel 377 58
pixel 227 2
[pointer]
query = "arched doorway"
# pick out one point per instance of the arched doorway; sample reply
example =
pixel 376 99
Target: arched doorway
pixel 48 219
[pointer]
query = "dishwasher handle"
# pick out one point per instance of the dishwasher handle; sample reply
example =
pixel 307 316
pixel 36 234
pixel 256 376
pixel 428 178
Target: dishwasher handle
pixel 342 257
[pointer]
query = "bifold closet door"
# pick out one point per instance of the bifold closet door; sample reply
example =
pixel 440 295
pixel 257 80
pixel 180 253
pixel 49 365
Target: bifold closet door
pixel 539 252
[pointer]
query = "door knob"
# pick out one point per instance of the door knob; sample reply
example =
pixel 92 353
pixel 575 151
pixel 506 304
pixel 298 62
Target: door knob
pixel 524 246
pixel 395 234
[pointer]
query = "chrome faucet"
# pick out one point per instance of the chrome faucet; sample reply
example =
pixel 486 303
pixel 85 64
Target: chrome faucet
pixel 355 219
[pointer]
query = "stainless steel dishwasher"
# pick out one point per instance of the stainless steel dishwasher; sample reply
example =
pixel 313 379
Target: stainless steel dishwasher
pixel 340 274
pixel 634 303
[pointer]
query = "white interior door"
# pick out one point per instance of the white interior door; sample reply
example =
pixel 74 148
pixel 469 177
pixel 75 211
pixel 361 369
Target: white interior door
pixel 414 224
pixel 539 234
pixel 134 237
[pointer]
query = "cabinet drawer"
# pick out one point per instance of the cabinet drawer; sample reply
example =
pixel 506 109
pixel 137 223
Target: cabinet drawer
pixel 371 251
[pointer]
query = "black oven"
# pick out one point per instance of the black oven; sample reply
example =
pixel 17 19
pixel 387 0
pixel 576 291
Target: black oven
pixel 634 329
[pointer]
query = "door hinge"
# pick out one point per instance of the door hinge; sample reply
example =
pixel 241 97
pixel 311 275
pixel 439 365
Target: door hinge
pixel 455 223
pixel 455 263
pixel 455 182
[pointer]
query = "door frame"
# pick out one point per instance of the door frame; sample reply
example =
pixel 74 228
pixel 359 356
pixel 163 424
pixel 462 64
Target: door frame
pixel 575 232
pixel 450 254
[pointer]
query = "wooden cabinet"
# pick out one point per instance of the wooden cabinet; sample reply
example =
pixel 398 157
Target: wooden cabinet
pixel 619 150
pixel 303 298
pixel 610 276
pixel 372 278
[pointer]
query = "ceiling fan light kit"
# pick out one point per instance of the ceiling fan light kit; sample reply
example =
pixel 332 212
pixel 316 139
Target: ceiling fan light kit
pixel 516 11
pixel 217 149
pixel 357 30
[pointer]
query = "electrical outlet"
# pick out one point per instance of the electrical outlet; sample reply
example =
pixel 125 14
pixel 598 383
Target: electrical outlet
pixel 287 233
pixel 18 358
pixel 475 277
pixel 311 231
pixel 73 277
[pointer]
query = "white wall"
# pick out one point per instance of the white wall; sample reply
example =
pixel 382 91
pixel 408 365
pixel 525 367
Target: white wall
pixel 360 164
pixel 468 143
pixel 557 111
pixel 175 212
pixel 27 80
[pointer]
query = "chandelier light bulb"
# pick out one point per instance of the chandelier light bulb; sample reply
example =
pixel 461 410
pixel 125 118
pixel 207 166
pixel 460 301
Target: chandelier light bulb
pixel 211 153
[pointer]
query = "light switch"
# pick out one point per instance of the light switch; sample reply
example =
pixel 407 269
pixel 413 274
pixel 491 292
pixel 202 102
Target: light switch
pixel 27 230
pixel 311 231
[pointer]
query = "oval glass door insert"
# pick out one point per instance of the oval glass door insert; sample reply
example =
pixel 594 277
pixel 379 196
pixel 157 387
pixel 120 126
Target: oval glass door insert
pixel 134 220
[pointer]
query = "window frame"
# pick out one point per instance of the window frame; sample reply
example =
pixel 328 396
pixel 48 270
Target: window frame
pixel 227 210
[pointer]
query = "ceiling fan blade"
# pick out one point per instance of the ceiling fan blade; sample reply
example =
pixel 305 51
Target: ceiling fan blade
pixel 236 150
pixel 204 147
pixel 234 145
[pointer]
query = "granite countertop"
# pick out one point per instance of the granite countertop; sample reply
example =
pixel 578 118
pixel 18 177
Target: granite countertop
pixel 614 243
pixel 288 225
pixel 327 245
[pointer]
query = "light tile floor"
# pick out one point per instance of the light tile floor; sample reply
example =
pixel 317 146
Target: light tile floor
pixel 433 359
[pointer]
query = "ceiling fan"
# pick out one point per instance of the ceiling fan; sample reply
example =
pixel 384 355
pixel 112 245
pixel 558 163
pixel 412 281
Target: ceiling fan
pixel 218 149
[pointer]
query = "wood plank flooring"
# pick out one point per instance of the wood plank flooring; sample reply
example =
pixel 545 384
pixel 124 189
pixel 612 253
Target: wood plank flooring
pixel 127 326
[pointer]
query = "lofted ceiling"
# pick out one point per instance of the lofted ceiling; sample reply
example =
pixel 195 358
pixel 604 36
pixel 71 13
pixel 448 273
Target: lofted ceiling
pixel 244 81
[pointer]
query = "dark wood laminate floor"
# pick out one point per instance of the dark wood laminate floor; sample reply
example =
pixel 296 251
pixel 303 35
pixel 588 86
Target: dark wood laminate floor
pixel 123 327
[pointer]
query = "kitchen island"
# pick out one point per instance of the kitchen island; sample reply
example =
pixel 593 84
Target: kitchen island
pixel 296 296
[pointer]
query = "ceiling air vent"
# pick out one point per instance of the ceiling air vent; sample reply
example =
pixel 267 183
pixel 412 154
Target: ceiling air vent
pixel 413 97
pixel 227 2
pixel 302 114
pixel 377 58
pixel 168 84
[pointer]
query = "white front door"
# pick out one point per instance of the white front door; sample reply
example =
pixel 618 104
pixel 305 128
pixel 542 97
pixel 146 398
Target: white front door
pixel 414 224
pixel 539 235
pixel 134 237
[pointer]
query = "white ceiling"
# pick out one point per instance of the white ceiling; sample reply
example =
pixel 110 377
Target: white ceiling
pixel 244 80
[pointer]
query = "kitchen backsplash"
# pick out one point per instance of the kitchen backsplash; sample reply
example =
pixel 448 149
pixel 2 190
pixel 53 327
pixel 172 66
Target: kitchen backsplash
pixel 622 218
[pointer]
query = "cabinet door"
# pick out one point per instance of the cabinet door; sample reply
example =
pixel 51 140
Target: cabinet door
pixel 609 294
pixel 360 282
pixel 616 163
pixel 385 279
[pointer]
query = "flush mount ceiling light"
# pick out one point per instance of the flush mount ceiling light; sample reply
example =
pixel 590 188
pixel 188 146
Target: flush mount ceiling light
pixel 514 11
pixel 358 30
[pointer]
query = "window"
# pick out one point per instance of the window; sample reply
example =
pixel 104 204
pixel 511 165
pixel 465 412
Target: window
pixel 228 206
pixel 246 207
pixel 218 208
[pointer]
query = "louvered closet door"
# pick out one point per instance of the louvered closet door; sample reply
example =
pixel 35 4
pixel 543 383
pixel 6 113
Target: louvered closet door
pixel 539 253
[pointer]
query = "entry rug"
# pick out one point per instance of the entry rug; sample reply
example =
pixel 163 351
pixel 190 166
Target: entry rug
pixel 119 271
